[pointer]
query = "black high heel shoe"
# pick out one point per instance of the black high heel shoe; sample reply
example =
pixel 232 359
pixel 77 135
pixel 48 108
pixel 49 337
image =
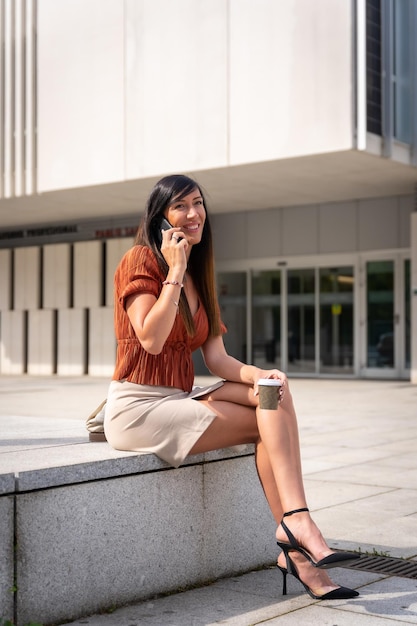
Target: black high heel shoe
pixel 337 559
pixel 341 593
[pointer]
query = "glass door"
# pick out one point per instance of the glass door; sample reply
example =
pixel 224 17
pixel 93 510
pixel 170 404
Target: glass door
pixel 336 320
pixel 303 320
pixel 233 311
pixel 386 318
pixel 301 331
pixel 266 319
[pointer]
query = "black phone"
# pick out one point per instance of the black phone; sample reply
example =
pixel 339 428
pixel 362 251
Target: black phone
pixel 165 225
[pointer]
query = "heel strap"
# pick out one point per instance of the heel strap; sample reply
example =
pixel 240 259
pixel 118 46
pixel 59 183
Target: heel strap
pixel 305 510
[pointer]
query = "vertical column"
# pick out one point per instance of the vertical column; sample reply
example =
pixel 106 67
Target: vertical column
pixel 88 274
pixel 102 342
pixel 5 280
pixel 13 342
pixel 41 342
pixel 115 249
pixel 414 297
pixel 18 65
pixel 26 286
pixel 72 332
pixel 56 276
pixel 27 299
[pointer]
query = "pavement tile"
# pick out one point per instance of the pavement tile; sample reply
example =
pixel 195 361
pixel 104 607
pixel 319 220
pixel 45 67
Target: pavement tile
pixel 360 468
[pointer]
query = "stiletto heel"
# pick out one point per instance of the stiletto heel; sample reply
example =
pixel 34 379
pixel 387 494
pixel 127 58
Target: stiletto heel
pixel 337 559
pixel 284 573
pixel 341 593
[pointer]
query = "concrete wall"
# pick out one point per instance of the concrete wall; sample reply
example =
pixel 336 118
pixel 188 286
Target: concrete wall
pixel 346 227
pixel 56 308
pixel 279 72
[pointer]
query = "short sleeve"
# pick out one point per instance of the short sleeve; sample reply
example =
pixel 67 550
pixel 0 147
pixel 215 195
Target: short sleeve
pixel 137 272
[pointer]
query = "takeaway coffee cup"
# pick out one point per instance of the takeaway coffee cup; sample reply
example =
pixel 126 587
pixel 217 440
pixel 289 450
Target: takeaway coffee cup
pixel 268 393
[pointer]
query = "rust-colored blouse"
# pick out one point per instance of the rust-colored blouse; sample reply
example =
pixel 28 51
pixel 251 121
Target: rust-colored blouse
pixel 138 271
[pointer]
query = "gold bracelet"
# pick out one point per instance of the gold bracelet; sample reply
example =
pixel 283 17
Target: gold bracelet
pixel 172 282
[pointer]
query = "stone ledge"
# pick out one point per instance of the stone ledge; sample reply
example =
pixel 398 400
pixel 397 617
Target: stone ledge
pixel 124 465
pixel 39 453
pixel 105 533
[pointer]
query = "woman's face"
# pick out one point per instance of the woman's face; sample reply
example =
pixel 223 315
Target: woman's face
pixel 189 214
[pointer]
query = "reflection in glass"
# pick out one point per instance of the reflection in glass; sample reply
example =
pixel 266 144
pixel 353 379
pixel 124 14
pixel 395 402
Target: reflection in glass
pixel 266 319
pixel 336 320
pixel 380 311
pixel 232 301
pixel 301 320
pixel 402 71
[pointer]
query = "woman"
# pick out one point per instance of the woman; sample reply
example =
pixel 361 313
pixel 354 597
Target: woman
pixel 165 308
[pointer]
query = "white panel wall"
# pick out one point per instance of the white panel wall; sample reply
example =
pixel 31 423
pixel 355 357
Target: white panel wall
pixel 80 92
pixel 88 278
pixel 56 276
pixel 12 347
pixel 72 338
pixel 102 342
pixel 290 78
pixel 153 86
pixel 176 87
pixel 115 249
pixel 26 286
pixel 41 342
pixel 5 279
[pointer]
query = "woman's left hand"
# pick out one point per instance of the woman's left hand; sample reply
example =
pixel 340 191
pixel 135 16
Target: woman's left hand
pixel 277 374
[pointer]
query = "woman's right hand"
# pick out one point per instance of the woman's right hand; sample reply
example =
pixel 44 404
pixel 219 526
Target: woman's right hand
pixel 174 250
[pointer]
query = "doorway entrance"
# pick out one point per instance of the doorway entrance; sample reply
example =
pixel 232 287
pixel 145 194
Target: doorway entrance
pixel 314 332
pixel 386 317
pixel 321 321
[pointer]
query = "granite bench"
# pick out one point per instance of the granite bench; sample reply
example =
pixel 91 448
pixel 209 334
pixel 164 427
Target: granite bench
pixel 85 528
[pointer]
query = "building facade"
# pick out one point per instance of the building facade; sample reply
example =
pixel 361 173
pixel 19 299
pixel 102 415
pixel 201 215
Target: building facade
pixel 298 119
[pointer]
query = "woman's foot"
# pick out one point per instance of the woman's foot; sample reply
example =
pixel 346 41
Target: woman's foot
pixel 306 538
pixel 315 581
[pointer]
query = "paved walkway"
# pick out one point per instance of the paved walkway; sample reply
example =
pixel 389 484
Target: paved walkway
pixel 359 449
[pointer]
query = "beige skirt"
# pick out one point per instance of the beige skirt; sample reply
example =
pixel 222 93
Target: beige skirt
pixel 162 420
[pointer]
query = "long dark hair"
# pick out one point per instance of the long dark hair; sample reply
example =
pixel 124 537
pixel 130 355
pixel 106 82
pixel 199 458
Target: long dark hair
pixel 201 262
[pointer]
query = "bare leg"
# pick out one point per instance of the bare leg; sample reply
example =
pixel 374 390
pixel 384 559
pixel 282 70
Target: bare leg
pixel 278 431
pixel 234 405
pixel 318 580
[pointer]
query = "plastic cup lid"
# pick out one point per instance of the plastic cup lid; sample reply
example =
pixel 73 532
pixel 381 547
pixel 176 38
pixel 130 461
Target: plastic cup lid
pixel 270 382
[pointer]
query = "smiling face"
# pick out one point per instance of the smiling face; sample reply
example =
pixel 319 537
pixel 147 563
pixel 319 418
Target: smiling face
pixel 189 214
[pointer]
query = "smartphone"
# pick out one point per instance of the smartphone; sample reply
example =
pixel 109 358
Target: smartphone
pixel 165 225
